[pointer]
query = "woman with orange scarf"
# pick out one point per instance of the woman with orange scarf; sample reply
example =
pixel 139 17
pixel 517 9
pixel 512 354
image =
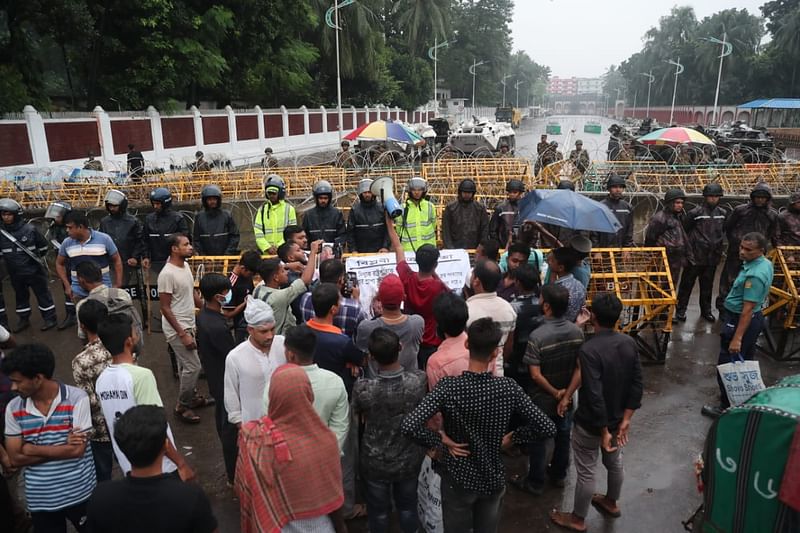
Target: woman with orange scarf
pixel 288 474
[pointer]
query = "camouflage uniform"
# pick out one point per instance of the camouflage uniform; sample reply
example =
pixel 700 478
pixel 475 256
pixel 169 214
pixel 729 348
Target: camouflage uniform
pixel 705 227
pixel 745 219
pixel 542 156
pixel 666 229
pixel 93 164
pixel 344 159
pixel 580 157
pixel 626 154
pixel 789 224
pixel 269 162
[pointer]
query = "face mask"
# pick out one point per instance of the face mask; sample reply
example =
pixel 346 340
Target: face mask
pixel 226 299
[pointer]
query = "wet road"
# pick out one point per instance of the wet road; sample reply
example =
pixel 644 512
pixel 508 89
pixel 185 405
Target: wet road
pixel 571 130
pixel 666 435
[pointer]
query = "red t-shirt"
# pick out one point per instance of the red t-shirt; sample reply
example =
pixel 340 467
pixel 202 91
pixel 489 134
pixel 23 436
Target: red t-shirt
pixel 420 295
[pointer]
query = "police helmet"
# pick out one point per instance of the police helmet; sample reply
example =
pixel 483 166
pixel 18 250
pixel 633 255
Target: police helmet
pixel 9 205
pixel 467 185
pixel 198 154
pixel 57 209
pixel 161 194
pixel 116 197
pixel 268 150
pixel 712 189
pixel 210 191
pixel 515 185
pixel 566 185
pixel 674 194
pixel 417 183
pixel 615 181
pixel 761 189
pixel 322 187
pixel 274 181
pixel 364 186
pixel 554 144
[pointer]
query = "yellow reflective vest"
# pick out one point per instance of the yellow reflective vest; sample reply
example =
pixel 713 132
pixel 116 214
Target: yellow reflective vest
pixel 269 223
pixel 417 225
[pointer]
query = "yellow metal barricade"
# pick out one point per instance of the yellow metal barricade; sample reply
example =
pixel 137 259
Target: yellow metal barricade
pixel 784 298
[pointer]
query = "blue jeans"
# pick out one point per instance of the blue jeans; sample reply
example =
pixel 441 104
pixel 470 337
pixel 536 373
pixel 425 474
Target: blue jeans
pixel 729 324
pixel 537 453
pixel 379 504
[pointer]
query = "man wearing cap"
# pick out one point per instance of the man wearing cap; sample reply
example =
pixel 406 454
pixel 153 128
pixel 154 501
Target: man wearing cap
pixel 666 229
pixel 274 216
pixel 249 366
pixel 623 238
pixel 344 158
pixel 366 225
pixel 755 216
pixel 200 164
pixel 269 161
pixel 408 327
pixel 505 219
pixel 580 157
pixel 705 229
pixel 464 222
pixel 504 152
pixel 789 223
pixel 541 149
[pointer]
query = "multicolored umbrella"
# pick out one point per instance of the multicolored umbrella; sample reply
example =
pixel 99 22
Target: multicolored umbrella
pixel 380 130
pixel 675 136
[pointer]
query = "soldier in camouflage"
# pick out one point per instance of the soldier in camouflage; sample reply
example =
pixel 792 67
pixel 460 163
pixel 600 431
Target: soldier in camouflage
pixel 580 157
pixel 755 216
pixel 666 229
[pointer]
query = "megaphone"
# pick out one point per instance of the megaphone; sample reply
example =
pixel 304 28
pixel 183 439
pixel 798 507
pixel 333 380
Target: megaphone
pixel 383 188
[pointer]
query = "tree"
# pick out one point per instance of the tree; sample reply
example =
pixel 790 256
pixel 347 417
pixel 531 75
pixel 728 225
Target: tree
pixel 422 21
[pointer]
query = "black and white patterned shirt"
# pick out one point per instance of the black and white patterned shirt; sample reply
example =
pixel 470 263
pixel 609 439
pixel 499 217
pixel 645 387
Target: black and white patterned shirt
pixel 477 409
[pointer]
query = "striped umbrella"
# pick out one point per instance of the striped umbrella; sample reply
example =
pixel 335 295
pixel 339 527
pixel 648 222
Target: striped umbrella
pixel 674 136
pixel 380 130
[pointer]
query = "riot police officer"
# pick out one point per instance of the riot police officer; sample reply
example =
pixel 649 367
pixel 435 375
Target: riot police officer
pixel 324 221
pixel 366 225
pixel 417 225
pixel 215 231
pixel 623 238
pixel 124 229
pixel 505 219
pixel 666 229
pixel 56 234
pixel 159 226
pixel 274 216
pixel 464 222
pixel 22 248
pixel 705 227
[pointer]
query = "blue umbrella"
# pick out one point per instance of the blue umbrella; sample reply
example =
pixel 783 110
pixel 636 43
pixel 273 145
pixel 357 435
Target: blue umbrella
pixel 568 209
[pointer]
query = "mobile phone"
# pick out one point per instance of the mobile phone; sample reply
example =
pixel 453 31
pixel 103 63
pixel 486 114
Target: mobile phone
pixel 351 280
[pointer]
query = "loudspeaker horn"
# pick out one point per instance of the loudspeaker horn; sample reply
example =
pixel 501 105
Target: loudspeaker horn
pixel 383 189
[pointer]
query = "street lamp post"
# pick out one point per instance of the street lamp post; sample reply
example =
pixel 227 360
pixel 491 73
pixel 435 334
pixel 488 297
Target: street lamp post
pixel 472 71
pixel 678 70
pixel 650 80
pixel 433 53
pixel 503 81
pixel 516 86
pixel 334 12
pixel 725 50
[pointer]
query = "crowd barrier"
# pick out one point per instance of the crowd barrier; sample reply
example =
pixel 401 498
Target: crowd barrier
pixel 783 318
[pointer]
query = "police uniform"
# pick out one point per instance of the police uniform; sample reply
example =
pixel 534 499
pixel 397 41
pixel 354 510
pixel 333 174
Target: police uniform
pixel 580 158
pixel 666 229
pixel 26 273
pixel 744 219
pixel 789 224
pixel 158 228
pixel 271 219
pixel 752 284
pixel 626 154
pixel 541 150
pixel 366 226
pixel 623 238
pixel 326 223
pixel 464 224
pixel 215 231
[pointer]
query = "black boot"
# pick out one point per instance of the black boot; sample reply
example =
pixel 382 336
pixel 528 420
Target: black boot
pixel 23 324
pixel 49 324
pixel 69 321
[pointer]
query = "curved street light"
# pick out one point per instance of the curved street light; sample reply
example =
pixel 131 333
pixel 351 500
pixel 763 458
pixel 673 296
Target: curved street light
pixel 472 71
pixel 650 80
pixel 433 54
pixel 503 81
pixel 332 20
pixel 678 70
pixel 726 49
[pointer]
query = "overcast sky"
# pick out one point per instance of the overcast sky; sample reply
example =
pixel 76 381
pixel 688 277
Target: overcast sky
pixel 584 37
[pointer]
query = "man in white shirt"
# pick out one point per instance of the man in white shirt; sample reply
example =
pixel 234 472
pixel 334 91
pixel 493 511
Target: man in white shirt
pixel 249 366
pixel 330 396
pixel 178 300
pixel 485 279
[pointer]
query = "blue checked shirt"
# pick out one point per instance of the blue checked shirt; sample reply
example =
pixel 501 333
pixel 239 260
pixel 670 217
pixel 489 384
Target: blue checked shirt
pixel 347 319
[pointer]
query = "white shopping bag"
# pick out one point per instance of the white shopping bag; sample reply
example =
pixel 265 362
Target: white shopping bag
pixel 741 379
pixel 429 498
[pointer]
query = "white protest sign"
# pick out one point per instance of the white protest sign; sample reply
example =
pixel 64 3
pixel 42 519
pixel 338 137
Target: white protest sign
pixel 453 269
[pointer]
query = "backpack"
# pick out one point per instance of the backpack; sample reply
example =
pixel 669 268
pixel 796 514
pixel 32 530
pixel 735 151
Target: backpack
pixel 752 464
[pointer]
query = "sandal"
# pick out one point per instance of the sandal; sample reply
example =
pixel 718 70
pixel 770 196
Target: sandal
pixel 200 401
pixel 186 415
pixel 522 483
pixel 564 520
pixel 598 502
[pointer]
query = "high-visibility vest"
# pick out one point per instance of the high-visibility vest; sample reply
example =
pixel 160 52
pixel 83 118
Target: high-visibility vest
pixel 269 223
pixel 417 225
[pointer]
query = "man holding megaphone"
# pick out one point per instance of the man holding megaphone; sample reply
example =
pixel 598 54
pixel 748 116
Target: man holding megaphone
pixel 416 225
pixel 366 225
